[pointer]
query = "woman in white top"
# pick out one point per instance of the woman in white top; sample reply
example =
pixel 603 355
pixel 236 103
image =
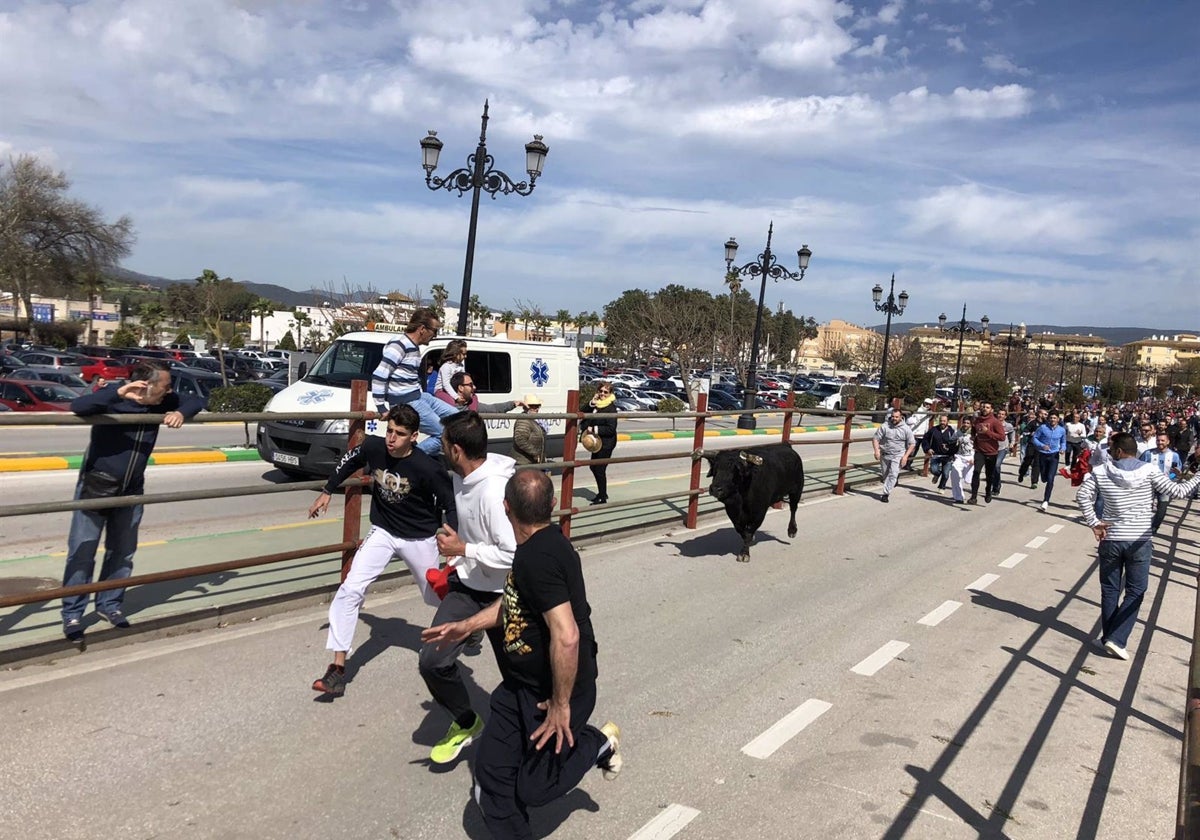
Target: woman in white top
pixel 963 465
pixel 1076 435
pixel 452 361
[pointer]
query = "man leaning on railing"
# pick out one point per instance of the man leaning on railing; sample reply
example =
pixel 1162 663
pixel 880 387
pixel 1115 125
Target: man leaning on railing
pixel 115 465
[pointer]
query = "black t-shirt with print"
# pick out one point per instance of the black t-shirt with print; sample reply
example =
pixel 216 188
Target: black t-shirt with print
pixel 408 495
pixel 546 572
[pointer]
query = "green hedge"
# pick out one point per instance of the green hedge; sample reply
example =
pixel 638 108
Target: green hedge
pixel 240 399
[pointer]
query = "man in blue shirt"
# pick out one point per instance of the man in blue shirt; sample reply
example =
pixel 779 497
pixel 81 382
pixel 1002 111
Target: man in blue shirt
pixel 1166 460
pixel 1049 440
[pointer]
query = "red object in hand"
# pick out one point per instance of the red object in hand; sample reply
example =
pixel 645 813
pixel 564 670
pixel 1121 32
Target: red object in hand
pixel 439 580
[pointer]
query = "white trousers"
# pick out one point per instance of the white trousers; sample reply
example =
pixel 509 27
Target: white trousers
pixel 961 471
pixel 370 560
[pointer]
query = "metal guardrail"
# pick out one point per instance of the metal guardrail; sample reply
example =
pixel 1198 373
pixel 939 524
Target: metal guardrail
pixel 352 515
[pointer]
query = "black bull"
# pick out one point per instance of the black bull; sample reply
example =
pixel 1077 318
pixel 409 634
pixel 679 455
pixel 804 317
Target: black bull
pixel 749 481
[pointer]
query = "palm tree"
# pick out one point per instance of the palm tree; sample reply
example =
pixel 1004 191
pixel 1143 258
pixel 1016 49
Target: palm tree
pixel 261 309
pixel 439 294
pixel 563 317
pixel 152 315
pixel 542 322
pixel 473 313
pixel 508 318
pixel 526 315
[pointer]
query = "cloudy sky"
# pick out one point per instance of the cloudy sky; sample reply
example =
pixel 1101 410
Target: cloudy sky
pixel 1035 159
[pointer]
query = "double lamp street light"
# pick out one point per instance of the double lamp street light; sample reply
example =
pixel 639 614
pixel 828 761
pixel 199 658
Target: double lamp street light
pixel 962 328
pixel 892 306
pixel 478 176
pixel 766 265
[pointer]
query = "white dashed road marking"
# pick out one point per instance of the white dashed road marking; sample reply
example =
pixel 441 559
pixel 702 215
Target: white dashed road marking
pixel 1011 561
pixel 1037 542
pixel 1054 529
pixel 788 727
pixel 940 614
pixel 667 824
pixel 983 582
pixel 873 663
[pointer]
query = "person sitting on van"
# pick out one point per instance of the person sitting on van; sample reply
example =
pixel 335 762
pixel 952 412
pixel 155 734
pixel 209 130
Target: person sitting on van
pixel 529 434
pixel 397 379
pixel 465 398
pixel 453 361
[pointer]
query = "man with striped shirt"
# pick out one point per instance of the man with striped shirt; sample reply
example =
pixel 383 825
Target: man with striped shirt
pixel 1128 487
pixel 397 379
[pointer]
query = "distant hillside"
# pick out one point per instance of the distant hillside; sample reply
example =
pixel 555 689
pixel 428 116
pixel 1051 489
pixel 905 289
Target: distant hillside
pixel 278 294
pixel 1113 335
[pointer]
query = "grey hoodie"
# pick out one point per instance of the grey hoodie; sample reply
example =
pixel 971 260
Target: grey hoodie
pixel 483 525
pixel 1128 488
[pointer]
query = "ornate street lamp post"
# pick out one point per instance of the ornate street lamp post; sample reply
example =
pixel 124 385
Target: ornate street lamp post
pixel 962 329
pixel 1062 367
pixel 765 265
pixel 892 306
pixel 478 176
pixel 1007 352
pixel 1037 375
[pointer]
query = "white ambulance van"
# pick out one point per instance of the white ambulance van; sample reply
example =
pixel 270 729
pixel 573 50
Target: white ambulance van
pixel 502 371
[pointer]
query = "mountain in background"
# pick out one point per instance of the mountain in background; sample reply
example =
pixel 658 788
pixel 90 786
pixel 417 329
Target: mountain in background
pixel 287 297
pixel 1115 336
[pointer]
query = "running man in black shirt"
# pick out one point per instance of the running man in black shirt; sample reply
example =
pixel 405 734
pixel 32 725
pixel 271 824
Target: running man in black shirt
pixel 537 744
pixel 409 494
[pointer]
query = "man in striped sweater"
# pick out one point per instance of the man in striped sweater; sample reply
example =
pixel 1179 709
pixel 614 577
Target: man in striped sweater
pixel 1128 488
pixel 397 379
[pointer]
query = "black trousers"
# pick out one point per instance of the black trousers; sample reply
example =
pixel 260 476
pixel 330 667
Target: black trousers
pixel 512 775
pixel 1029 463
pixel 439 668
pixel 989 467
pixel 600 473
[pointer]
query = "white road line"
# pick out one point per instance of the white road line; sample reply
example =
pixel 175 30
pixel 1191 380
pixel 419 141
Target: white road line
pixel 940 614
pixel 1054 529
pixel 983 582
pixel 1012 560
pixel 871 665
pixel 791 725
pixel 1037 542
pixel 667 824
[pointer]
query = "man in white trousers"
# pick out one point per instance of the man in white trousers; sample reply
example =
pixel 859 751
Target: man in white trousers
pixel 410 494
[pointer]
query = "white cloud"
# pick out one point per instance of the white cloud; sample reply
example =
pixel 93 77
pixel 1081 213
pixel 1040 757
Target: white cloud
pixel 1003 64
pixel 956 44
pixel 890 13
pixel 874 49
pixel 974 216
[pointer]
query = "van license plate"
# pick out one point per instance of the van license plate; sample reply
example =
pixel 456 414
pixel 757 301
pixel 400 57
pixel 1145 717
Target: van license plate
pixel 282 458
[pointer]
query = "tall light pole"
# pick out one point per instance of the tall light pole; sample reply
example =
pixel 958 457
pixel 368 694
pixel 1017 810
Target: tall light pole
pixel 1037 376
pixel 892 306
pixel 962 328
pixel 765 265
pixel 1007 352
pixel 478 176
pixel 1062 367
pixel 1108 387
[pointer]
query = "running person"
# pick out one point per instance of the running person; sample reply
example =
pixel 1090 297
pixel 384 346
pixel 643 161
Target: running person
pixel 410 492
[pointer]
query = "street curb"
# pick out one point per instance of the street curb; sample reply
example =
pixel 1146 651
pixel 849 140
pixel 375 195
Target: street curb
pixel 687 433
pixel 72 462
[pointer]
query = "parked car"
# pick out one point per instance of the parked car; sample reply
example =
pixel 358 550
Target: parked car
pixel 280 354
pixel 192 382
pixel 238 373
pixel 56 359
pixel 109 368
pixel 45 374
pixel 26 395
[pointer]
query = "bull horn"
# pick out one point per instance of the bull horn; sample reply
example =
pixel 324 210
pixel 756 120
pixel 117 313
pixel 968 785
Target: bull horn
pixel 756 460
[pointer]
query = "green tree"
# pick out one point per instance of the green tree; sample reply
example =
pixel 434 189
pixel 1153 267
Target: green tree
pixel 986 381
pixel 237 342
pixel 908 380
pixel 262 309
pixel 123 337
pixel 183 338
pixel 440 296
pixel 1070 397
pixel 49 240
pixel 508 318
pixel 287 342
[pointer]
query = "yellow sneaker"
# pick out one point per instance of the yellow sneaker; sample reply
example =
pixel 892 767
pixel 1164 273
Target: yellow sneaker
pixel 447 749
pixel 611 762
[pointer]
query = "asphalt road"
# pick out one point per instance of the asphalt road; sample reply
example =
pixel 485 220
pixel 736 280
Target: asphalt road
pixel 911 671
pixel 27 536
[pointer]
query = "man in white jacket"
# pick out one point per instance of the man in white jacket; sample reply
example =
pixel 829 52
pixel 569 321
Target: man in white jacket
pixel 1128 488
pixel 481 555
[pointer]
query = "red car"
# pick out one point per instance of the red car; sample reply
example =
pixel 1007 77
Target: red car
pixel 110 369
pixel 23 395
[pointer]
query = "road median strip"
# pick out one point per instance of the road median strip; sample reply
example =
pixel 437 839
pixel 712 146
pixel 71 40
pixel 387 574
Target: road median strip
pixel 687 433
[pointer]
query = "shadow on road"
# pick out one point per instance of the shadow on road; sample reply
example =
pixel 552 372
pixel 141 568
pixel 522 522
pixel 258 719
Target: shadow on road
pixel 719 543
pixel 544 821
